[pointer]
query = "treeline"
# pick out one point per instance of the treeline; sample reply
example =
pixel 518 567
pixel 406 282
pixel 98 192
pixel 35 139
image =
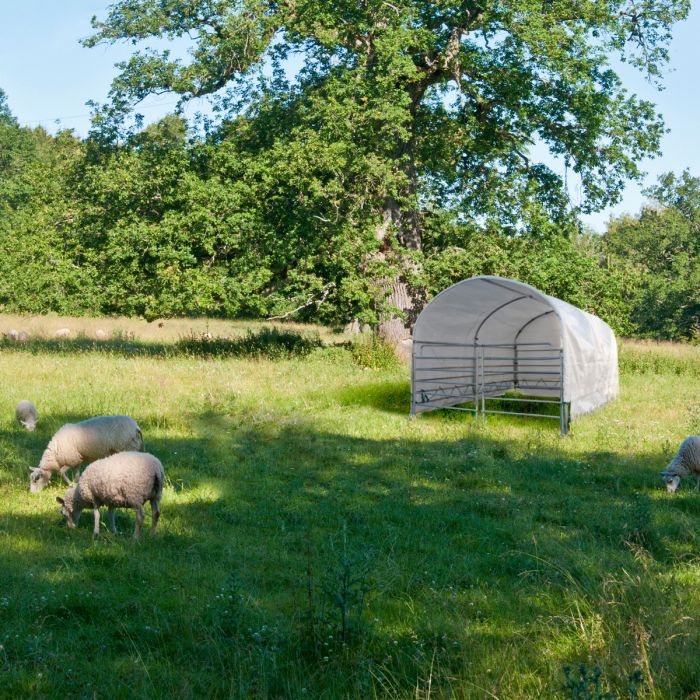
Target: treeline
pixel 234 223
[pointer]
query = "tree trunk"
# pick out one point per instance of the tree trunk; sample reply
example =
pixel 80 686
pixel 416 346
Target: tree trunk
pixel 394 328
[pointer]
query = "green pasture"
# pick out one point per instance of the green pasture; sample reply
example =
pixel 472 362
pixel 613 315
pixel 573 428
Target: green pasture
pixel 316 543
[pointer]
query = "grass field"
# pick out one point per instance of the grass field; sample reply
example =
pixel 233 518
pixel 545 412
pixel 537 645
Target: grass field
pixel 315 543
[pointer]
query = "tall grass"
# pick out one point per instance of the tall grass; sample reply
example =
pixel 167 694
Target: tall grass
pixel 316 543
pixel 638 357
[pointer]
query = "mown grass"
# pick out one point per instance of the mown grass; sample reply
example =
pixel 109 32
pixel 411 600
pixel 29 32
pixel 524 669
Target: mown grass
pixel 316 543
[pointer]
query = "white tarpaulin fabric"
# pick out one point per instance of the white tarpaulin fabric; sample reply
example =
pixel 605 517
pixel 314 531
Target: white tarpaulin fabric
pixel 515 318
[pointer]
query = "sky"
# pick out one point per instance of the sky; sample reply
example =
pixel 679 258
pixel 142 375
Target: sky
pixel 48 77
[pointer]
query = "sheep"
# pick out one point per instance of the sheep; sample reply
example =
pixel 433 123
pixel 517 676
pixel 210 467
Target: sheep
pixel 85 442
pixel 62 333
pixel 26 414
pixel 685 463
pixel 124 480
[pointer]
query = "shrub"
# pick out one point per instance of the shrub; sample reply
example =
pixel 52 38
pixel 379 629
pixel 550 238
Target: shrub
pixel 373 352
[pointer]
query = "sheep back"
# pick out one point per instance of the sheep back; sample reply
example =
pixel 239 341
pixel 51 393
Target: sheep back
pixel 91 439
pixel 125 479
pixel 687 459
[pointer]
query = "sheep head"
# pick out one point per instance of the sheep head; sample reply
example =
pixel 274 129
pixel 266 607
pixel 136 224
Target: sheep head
pixel 38 478
pixel 671 480
pixel 68 508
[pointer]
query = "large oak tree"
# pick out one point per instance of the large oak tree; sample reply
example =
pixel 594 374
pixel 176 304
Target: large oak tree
pixel 405 106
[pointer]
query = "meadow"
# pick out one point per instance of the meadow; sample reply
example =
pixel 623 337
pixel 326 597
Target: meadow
pixel 316 543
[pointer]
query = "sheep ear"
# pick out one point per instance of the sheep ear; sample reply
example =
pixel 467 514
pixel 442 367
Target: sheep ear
pixel 60 500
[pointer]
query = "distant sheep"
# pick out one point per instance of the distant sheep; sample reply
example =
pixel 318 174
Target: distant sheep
pixel 87 441
pixel 685 463
pixel 12 334
pixel 62 333
pixel 26 414
pixel 124 480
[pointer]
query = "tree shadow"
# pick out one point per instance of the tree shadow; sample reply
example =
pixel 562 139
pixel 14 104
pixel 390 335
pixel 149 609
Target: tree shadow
pixel 472 532
pixel 268 343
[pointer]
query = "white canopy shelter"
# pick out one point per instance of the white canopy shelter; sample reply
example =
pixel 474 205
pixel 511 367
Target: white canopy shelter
pixel 487 337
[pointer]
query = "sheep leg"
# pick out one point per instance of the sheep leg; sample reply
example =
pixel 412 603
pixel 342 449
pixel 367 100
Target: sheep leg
pixel 139 521
pixel 65 476
pixel 697 484
pixel 155 514
pixel 96 528
pixel 112 526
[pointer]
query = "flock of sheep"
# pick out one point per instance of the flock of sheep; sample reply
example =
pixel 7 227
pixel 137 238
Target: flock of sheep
pixel 119 475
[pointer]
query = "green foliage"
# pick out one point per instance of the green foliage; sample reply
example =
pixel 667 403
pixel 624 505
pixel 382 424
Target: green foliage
pixel 422 92
pixel 657 255
pixel 325 180
pixel 399 154
pixel 373 352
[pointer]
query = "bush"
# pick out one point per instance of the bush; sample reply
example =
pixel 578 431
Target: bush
pixel 267 343
pixel 374 352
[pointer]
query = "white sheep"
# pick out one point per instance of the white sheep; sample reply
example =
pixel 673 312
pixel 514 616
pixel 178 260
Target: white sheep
pixel 124 480
pixel 26 414
pixel 86 441
pixel 685 463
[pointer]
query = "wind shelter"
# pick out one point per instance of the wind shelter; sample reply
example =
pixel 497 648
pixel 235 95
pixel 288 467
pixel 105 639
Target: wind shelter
pixel 487 337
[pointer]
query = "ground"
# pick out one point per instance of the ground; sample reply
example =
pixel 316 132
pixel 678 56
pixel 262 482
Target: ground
pixel 315 542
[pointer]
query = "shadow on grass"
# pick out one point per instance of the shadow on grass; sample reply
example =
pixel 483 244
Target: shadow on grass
pixel 292 557
pixel 268 343
pixel 395 397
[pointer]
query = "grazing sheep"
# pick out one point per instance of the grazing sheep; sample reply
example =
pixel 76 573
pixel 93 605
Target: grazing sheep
pixel 26 414
pixel 85 442
pixel 124 480
pixel 12 334
pixel 100 334
pixel 62 333
pixel 685 463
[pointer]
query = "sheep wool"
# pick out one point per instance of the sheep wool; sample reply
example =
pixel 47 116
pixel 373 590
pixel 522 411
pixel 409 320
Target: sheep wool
pixel 124 480
pixel 685 463
pixel 26 414
pixel 86 441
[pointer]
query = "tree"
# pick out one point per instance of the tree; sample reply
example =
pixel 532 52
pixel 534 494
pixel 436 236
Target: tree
pixel 410 104
pixel 6 118
pixel 659 252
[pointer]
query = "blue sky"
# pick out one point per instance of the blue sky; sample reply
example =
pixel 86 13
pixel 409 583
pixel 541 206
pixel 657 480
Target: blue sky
pixel 48 76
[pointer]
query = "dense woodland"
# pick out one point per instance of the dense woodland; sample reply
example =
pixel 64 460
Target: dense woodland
pixel 395 162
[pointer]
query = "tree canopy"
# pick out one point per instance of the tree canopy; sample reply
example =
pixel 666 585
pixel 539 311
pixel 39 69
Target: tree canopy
pixel 402 108
pixel 658 252
pixel 448 96
pixel 360 155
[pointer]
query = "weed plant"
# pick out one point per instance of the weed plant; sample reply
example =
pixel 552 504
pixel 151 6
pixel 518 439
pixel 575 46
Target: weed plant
pixel 317 543
pixel 370 351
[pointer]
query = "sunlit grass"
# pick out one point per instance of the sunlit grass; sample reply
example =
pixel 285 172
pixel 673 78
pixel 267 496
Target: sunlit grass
pixel 469 563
